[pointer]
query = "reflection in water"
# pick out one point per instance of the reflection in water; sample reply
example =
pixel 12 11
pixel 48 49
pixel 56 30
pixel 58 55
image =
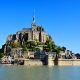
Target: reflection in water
pixel 39 73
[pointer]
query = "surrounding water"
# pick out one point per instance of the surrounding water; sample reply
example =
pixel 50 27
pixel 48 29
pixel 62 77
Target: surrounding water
pixel 39 73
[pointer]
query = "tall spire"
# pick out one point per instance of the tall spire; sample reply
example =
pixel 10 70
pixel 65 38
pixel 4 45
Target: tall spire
pixel 34 17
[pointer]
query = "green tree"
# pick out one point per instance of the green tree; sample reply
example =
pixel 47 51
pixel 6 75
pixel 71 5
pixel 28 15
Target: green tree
pixel 1 55
pixel 30 45
pixel 63 48
pixel 50 45
pixel 24 48
pixel 58 49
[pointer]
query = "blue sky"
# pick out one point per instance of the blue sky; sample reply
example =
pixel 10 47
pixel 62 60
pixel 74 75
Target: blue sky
pixel 60 18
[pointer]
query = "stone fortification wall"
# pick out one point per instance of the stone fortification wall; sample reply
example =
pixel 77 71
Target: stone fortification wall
pixel 69 62
pixel 64 62
pixel 33 63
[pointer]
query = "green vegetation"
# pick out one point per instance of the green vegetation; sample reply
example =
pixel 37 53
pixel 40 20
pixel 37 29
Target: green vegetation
pixel 31 46
pixel 13 44
pixel 1 53
pixel 51 46
pixel 58 49
pixel 48 46
pixel 63 48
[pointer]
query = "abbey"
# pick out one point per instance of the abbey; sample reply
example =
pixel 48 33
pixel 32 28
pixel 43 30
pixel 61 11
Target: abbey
pixel 35 33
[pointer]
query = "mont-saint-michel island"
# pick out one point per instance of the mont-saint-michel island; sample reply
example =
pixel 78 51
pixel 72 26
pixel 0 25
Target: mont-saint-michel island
pixel 35 47
pixel 39 39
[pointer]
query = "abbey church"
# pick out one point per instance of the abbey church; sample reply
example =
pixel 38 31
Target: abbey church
pixel 35 33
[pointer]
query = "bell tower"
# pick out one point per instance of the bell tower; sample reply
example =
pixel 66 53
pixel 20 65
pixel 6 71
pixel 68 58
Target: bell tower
pixel 34 27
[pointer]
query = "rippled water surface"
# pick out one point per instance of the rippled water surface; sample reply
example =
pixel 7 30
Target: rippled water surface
pixel 8 72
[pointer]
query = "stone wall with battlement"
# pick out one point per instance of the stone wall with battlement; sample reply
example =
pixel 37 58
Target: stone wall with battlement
pixel 64 62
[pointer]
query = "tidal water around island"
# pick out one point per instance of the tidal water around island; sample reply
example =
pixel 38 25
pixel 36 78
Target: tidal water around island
pixel 14 72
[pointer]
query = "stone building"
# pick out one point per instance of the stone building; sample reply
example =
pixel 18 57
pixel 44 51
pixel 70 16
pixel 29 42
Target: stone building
pixel 35 33
pixel 67 55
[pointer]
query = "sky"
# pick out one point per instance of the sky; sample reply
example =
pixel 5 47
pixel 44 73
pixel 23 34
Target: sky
pixel 60 18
